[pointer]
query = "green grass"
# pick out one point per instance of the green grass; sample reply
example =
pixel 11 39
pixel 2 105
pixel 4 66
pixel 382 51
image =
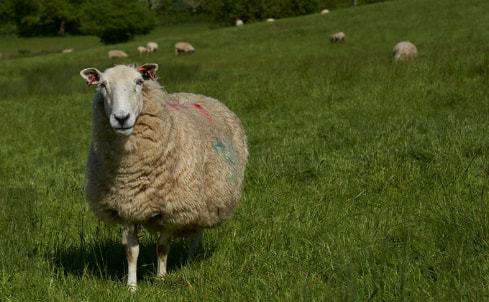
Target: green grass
pixel 367 180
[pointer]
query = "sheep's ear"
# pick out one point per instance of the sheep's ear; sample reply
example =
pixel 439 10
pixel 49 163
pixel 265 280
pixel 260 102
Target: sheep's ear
pixel 148 71
pixel 91 75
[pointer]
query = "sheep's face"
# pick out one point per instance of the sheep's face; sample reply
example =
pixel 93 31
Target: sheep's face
pixel 122 90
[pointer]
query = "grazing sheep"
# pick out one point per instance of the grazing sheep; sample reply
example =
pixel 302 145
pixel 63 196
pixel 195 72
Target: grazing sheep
pixel 67 50
pixel 270 20
pixel 152 46
pixel 142 50
pixel 239 22
pixel 404 50
pixel 325 12
pixel 117 54
pixel 173 163
pixel 337 37
pixel 183 47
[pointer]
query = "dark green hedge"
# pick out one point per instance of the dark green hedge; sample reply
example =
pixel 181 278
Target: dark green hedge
pixel 116 21
pixel 227 11
pixel 112 20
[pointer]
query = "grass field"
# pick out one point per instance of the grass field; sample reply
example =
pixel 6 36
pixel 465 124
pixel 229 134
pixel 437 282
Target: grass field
pixel 367 180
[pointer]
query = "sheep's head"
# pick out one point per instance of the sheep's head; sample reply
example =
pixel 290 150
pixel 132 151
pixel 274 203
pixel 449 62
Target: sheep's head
pixel 122 90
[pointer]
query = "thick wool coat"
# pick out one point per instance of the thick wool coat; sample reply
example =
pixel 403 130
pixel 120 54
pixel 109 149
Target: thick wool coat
pixel 181 169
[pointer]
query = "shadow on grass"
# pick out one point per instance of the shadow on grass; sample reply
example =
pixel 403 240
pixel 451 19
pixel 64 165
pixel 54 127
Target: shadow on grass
pixel 107 260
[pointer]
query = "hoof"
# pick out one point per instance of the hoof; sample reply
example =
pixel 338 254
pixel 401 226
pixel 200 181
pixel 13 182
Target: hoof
pixel 132 288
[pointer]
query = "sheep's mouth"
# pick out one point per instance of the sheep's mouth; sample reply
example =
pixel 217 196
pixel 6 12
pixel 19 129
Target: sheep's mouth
pixel 125 131
pixel 123 128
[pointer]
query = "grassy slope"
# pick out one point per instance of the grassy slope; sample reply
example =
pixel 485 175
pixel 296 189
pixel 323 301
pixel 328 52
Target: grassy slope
pixel 366 179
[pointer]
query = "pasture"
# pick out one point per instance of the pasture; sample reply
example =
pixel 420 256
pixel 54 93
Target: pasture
pixel 367 180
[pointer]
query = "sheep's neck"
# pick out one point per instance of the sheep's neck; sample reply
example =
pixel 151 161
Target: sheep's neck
pixel 147 143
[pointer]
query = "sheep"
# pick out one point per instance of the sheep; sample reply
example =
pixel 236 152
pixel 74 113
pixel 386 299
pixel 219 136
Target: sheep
pixel 67 50
pixel 404 50
pixel 337 37
pixel 117 54
pixel 152 46
pixel 142 50
pixel 270 20
pixel 325 12
pixel 239 22
pixel 173 163
pixel 183 47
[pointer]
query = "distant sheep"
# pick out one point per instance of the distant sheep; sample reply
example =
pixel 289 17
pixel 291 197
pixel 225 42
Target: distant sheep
pixel 270 20
pixel 404 50
pixel 239 22
pixel 117 54
pixel 142 50
pixel 325 12
pixel 152 46
pixel 337 37
pixel 67 50
pixel 173 163
pixel 183 48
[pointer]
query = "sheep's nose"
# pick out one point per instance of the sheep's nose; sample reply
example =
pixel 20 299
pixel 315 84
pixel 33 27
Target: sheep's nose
pixel 122 118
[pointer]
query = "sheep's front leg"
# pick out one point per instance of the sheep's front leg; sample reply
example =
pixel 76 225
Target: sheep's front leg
pixel 130 240
pixel 162 250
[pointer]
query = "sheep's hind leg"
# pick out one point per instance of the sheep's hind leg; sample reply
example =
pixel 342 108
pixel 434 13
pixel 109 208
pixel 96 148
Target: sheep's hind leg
pixel 194 241
pixel 130 240
pixel 162 250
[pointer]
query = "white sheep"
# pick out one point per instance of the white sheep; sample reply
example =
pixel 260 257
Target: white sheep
pixel 152 46
pixel 117 54
pixel 68 50
pixel 404 50
pixel 270 20
pixel 325 12
pixel 183 47
pixel 173 163
pixel 337 37
pixel 142 50
pixel 239 22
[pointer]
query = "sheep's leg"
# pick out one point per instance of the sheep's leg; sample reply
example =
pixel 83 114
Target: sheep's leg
pixel 162 249
pixel 194 243
pixel 130 240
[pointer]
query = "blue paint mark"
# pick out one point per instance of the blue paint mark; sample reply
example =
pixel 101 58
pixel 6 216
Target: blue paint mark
pixel 218 146
pixel 230 155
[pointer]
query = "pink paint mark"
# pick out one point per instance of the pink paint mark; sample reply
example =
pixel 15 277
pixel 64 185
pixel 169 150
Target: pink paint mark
pixel 173 105
pixel 203 111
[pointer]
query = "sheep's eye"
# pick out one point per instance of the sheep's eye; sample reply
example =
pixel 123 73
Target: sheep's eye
pixel 102 85
pixel 139 82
